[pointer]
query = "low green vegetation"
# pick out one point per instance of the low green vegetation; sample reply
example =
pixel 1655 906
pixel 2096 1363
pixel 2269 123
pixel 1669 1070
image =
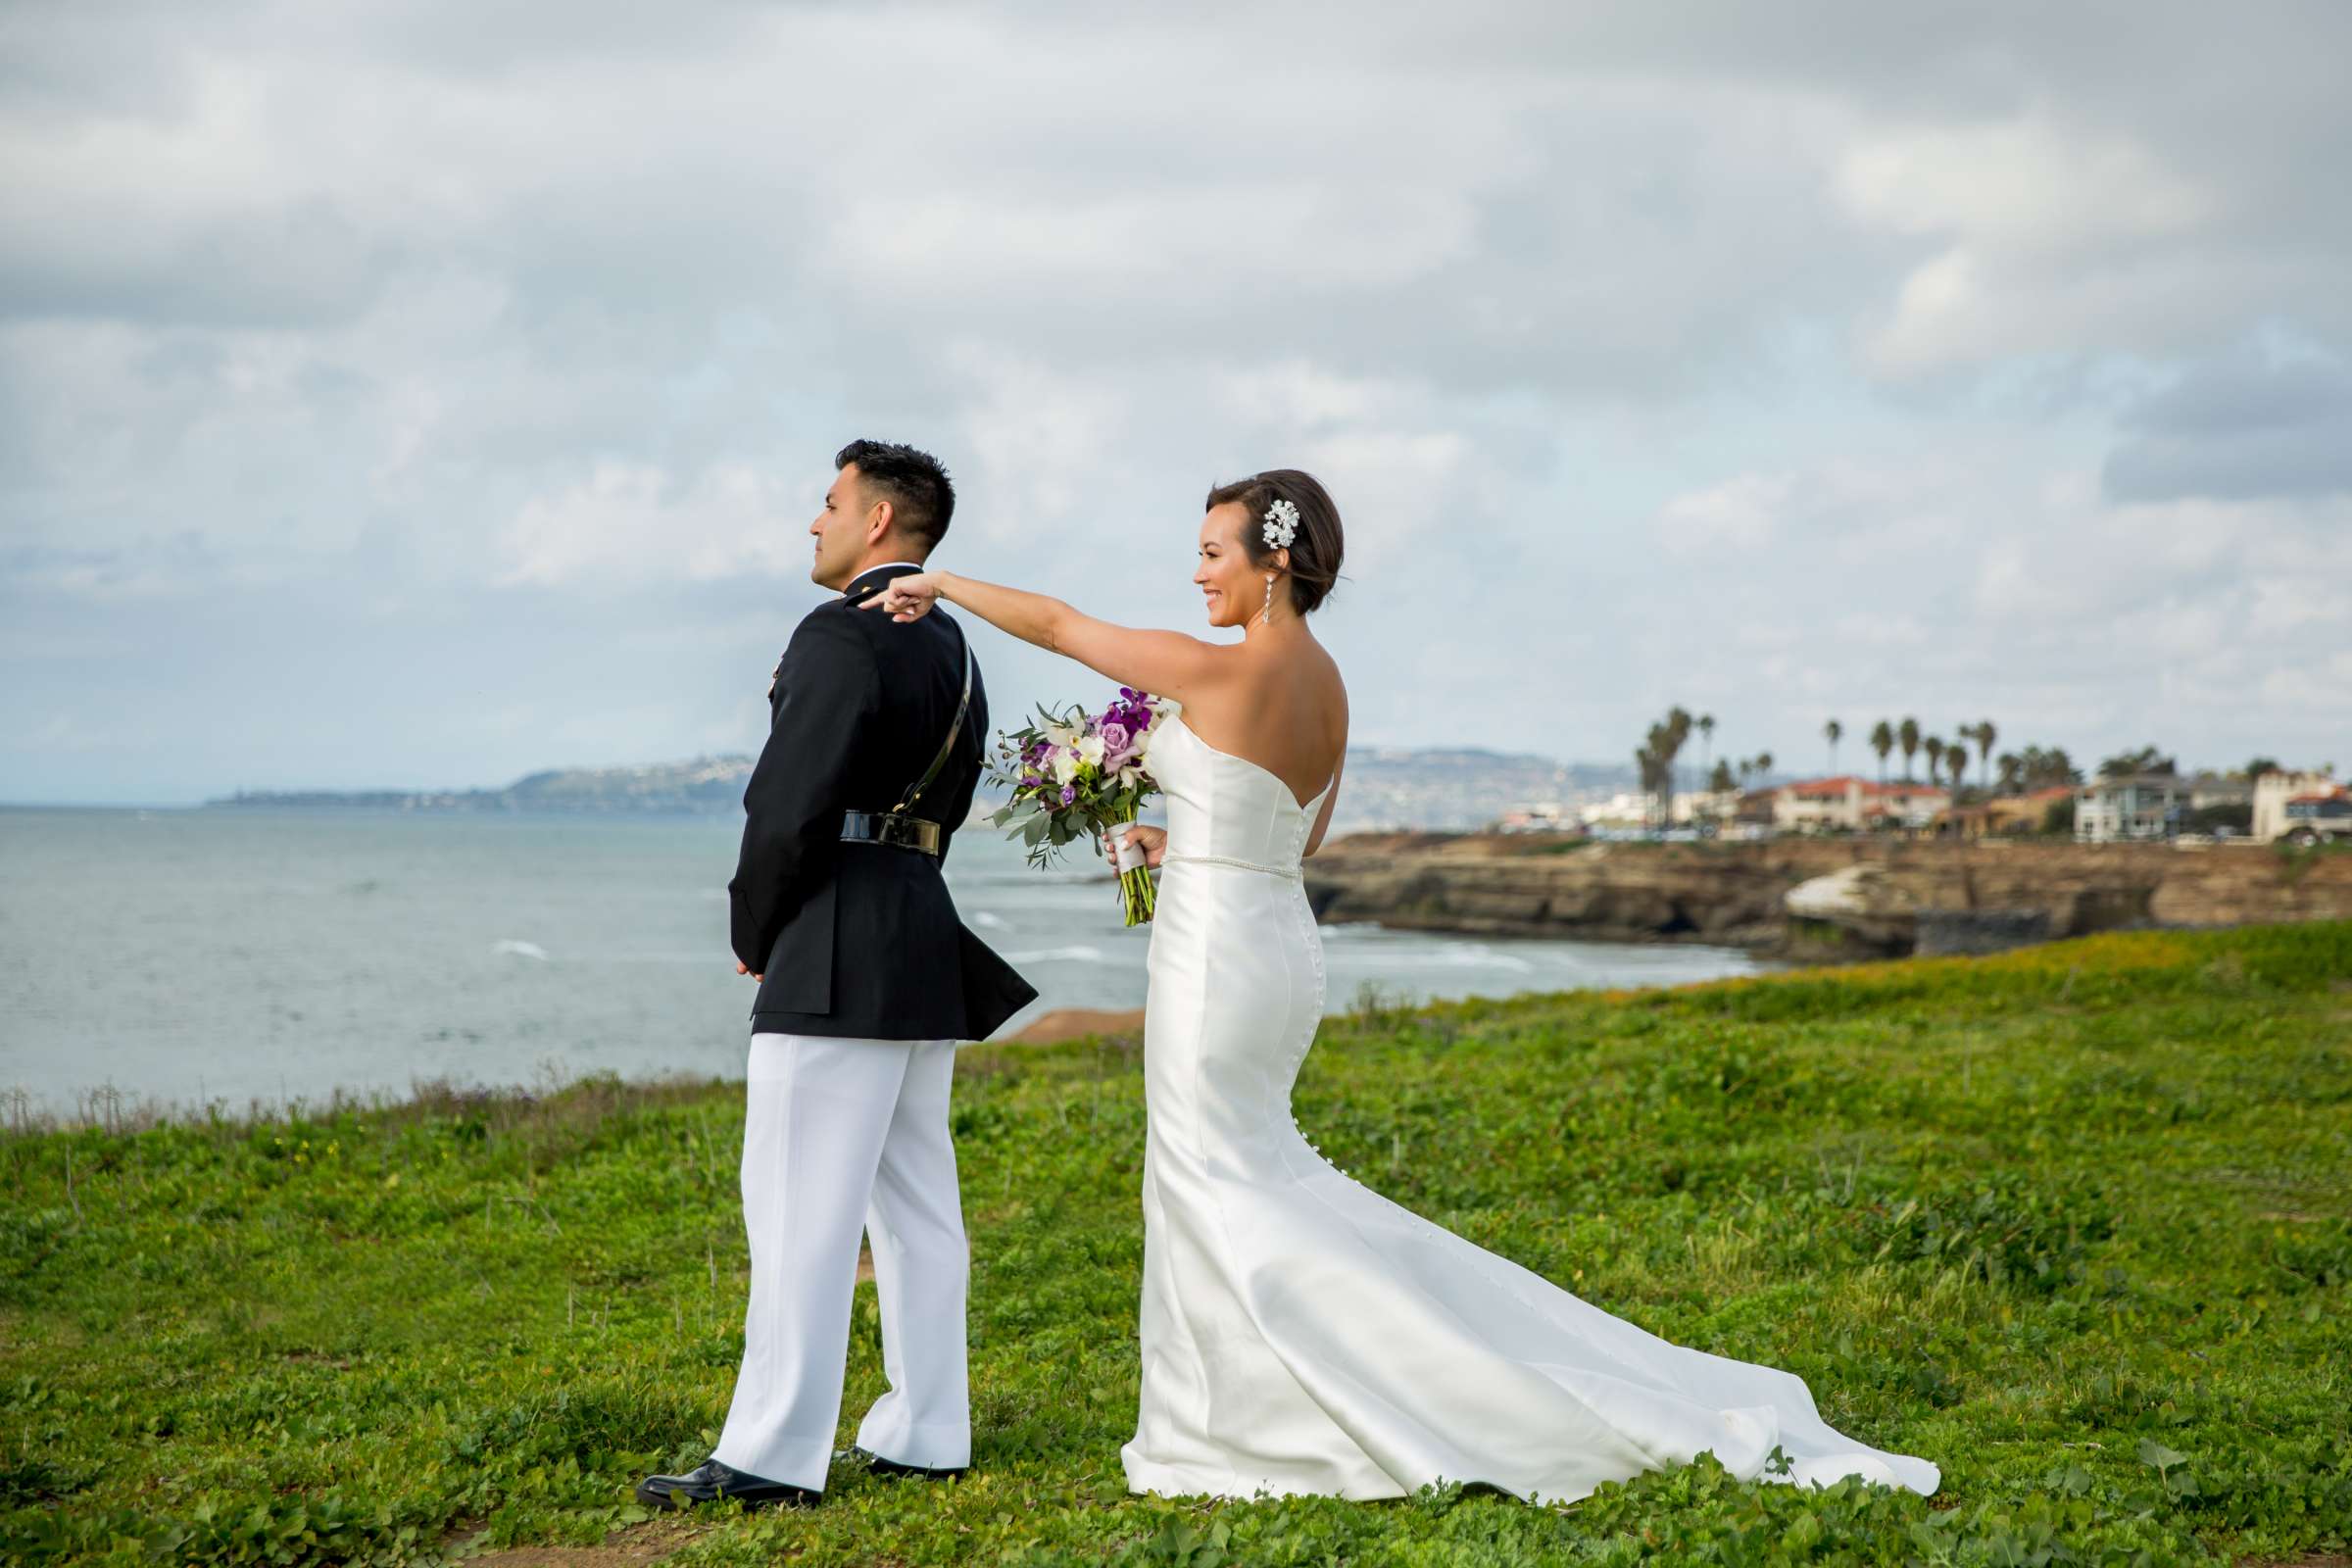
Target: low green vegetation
pixel 2072 1222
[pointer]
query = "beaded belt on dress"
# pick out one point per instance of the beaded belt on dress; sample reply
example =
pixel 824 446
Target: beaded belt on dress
pixel 1291 872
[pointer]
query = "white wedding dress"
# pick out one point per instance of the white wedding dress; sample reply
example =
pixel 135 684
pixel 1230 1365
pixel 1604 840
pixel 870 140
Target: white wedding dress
pixel 1303 1334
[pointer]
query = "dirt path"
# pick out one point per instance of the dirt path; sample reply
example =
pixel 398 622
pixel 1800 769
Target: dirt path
pixel 1076 1023
pixel 629 1546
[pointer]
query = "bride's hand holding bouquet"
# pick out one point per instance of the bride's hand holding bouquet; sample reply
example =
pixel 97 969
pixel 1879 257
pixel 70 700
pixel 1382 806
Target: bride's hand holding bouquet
pixel 1151 841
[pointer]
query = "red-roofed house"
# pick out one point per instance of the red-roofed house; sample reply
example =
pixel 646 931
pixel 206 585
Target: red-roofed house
pixel 2299 804
pixel 2319 814
pixel 1849 804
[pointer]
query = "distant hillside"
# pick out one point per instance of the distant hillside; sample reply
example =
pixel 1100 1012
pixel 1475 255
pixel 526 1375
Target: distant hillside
pixel 706 784
pixel 1386 786
pixel 1391 787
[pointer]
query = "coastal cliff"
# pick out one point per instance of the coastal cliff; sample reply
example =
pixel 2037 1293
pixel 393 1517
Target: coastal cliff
pixel 1814 897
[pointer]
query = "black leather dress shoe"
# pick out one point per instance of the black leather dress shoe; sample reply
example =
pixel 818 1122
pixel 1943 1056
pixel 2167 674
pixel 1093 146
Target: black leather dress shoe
pixel 713 1482
pixel 891 1467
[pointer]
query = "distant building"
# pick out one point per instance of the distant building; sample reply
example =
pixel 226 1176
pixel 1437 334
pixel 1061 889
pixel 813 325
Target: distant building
pixel 2319 814
pixel 1624 811
pixel 2218 789
pixel 2008 813
pixel 2274 793
pixel 1541 816
pixel 2131 805
pixel 1850 803
pixel 1704 806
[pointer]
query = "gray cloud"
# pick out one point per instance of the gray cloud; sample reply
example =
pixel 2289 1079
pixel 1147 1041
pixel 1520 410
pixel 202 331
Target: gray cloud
pixel 2244 425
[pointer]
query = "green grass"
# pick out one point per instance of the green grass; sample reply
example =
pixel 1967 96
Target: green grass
pixel 2071 1222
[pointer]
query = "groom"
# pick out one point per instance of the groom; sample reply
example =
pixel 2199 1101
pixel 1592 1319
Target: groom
pixel 866 981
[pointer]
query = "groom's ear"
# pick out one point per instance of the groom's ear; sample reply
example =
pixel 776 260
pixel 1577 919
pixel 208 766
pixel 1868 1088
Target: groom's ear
pixel 878 518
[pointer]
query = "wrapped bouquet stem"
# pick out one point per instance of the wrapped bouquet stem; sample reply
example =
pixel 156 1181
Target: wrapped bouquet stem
pixel 1138 894
pixel 1075 775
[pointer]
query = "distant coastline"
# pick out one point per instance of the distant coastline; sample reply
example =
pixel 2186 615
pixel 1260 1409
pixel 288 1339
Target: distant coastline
pixel 710 785
pixel 1425 790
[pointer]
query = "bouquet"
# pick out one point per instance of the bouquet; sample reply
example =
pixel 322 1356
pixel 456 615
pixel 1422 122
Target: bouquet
pixel 1078 775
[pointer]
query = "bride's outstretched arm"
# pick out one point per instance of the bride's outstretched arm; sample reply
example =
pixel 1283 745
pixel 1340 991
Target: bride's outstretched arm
pixel 1168 664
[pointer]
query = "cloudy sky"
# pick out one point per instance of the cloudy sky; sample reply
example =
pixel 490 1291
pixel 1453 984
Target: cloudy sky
pixel 420 394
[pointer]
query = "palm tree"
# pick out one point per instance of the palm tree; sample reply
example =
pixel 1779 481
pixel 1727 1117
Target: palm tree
pixel 1933 747
pixel 1882 740
pixel 2013 769
pixel 1676 735
pixel 1907 735
pixel 1655 759
pixel 1985 737
pixel 1957 761
pixel 1763 764
pixel 1833 729
pixel 1706 740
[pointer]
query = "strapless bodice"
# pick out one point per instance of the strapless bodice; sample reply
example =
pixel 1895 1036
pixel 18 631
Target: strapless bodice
pixel 1227 807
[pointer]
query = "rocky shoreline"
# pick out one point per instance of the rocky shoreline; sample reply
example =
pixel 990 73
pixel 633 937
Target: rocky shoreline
pixel 1815 899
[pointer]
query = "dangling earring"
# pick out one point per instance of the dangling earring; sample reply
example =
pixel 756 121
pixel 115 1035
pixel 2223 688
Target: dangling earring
pixel 1265 616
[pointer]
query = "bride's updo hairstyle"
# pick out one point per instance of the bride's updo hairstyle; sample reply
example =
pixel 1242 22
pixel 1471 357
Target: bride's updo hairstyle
pixel 1315 550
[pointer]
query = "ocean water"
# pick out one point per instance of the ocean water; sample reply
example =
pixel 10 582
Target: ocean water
pixel 194 957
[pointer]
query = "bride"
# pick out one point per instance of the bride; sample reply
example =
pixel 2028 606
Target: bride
pixel 1301 1333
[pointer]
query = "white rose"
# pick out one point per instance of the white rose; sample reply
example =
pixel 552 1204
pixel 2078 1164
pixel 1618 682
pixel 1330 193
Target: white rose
pixel 1091 749
pixel 1065 767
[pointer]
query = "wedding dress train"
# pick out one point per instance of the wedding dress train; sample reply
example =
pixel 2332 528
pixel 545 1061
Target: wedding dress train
pixel 1303 1334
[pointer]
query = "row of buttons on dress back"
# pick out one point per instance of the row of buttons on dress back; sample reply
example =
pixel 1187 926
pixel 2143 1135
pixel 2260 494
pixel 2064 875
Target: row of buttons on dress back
pixel 1314 953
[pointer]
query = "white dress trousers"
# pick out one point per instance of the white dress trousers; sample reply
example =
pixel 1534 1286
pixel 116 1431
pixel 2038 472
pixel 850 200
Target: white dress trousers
pixel 842 1136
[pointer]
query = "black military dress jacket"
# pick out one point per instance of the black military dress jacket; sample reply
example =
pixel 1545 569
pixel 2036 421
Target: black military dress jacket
pixel 861 939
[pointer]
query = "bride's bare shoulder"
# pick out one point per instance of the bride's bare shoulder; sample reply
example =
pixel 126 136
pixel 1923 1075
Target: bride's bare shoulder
pixel 1334 684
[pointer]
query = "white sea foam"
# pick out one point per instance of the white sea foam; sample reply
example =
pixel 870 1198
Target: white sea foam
pixel 1077 955
pixel 1477 956
pixel 521 949
pixel 987 921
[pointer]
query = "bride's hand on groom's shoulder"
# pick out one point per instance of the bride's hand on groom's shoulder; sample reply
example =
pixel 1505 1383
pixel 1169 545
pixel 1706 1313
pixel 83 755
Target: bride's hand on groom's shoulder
pixel 906 598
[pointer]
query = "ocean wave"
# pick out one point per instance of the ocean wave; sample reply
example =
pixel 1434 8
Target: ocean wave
pixel 1445 955
pixel 1025 879
pixel 521 949
pixel 1075 955
pixel 988 921
pixel 1478 955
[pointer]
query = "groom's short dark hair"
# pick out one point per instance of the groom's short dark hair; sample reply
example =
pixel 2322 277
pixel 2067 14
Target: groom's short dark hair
pixel 914 482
